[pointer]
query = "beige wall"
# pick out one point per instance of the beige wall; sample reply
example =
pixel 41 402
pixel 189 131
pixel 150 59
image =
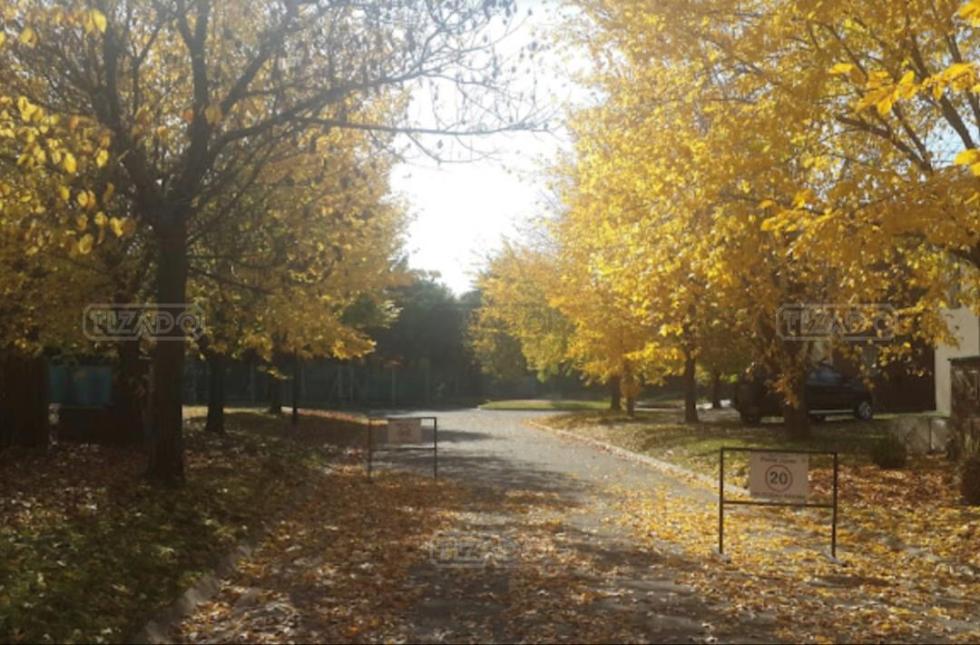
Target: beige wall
pixel 966 326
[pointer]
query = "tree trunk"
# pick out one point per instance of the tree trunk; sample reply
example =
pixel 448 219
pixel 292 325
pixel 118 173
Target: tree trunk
pixel 24 407
pixel 275 394
pixel 795 417
pixel 128 394
pixel 631 406
pixel 295 391
pixel 716 390
pixel 216 394
pixel 166 463
pixel 615 394
pixel 690 389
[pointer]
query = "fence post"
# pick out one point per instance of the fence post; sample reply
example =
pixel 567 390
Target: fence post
pixel 721 501
pixel 833 521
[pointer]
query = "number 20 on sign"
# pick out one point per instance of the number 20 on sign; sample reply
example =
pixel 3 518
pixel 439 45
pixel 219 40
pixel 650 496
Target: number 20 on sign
pixel 777 479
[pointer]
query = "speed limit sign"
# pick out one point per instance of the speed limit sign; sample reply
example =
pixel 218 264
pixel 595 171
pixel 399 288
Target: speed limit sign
pixel 778 475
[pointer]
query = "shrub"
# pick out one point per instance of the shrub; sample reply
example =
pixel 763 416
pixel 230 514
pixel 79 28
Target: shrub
pixel 970 480
pixel 889 452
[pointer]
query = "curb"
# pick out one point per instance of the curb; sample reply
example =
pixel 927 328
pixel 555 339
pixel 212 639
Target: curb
pixel 659 464
pixel 157 629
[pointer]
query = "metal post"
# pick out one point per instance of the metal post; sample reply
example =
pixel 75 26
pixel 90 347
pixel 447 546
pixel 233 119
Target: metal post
pixel 435 448
pixel 370 445
pixel 295 391
pixel 833 521
pixel 721 501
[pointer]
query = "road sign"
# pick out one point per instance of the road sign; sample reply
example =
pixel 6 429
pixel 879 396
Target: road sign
pixel 404 431
pixel 779 475
pixel 402 434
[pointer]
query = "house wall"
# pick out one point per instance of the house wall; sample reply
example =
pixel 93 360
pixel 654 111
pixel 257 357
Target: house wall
pixel 965 325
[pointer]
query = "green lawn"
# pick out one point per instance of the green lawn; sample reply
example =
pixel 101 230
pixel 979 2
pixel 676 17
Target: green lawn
pixel 545 404
pixel 88 550
pixel 662 434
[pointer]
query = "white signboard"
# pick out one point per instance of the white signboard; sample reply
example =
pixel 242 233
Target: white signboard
pixel 404 431
pixel 779 475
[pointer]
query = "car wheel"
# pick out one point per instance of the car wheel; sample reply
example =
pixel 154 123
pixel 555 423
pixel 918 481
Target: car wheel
pixel 818 418
pixel 750 419
pixel 864 411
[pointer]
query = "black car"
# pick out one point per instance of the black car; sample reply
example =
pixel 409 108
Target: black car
pixel 827 391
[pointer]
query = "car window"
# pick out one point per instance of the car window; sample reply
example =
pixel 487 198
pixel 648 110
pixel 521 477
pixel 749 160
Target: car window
pixel 824 375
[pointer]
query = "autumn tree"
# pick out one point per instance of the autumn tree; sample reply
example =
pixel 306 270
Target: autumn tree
pixel 318 234
pixel 193 95
pixel 729 148
pixel 50 222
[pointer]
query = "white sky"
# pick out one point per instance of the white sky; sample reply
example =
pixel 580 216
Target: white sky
pixel 462 211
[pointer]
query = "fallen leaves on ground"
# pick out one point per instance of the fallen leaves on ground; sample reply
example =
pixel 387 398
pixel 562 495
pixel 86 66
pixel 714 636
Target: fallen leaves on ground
pixel 88 550
pixel 777 567
pixel 335 570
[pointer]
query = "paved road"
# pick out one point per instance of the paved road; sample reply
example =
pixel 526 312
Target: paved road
pixel 561 523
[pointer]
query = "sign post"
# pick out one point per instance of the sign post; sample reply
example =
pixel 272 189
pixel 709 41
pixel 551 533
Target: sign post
pixel 778 478
pixel 402 434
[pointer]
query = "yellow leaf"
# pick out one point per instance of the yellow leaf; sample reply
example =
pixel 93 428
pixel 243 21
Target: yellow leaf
pixel 116 224
pixel 85 244
pixel 129 226
pixel 967 157
pixel 213 114
pixel 81 222
pixel 98 19
pixel 64 193
pixel 82 199
pixel 101 220
pixel 970 12
pixel 841 69
pixel 69 163
pixel 884 106
pixel 3 38
pixel 102 158
pixel 28 37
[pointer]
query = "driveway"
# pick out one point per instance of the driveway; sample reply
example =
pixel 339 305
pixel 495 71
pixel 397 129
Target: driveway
pixel 519 541
pixel 561 524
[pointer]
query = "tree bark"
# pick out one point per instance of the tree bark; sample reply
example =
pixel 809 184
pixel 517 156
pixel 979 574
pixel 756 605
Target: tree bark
pixel 24 408
pixel 631 406
pixel 795 417
pixel 166 463
pixel 275 393
pixel 216 394
pixel 128 394
pixel 690 389
pixel 716 390
pixel 615 395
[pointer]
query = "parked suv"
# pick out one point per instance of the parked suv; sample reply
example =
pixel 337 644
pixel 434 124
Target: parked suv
pixel 827 391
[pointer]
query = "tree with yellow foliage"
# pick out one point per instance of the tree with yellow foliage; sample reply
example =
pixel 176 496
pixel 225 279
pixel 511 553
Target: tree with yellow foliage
pixel 710 176
pixel 193 95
